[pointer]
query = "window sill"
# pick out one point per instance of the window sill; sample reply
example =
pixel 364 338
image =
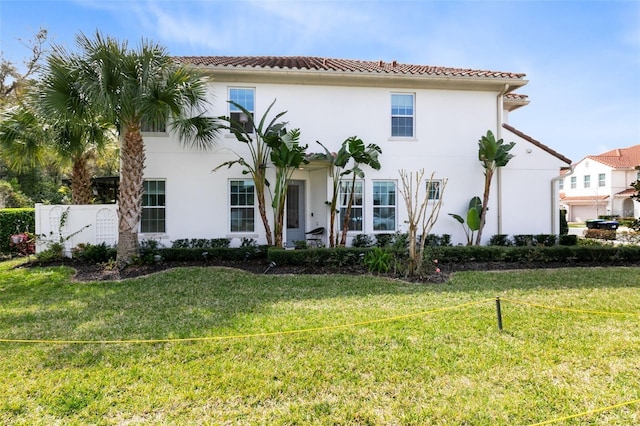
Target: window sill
pixel 152 235
pixel 241 235
pixel 398 139
pixel 155 134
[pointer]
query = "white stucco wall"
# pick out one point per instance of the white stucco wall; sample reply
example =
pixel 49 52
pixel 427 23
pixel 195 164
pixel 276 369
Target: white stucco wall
pixel 448 125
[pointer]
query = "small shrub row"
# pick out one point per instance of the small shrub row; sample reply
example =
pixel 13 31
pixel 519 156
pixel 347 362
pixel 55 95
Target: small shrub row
pixel 339 256
pixel 201 243
pixel 398 240
pixel 523 240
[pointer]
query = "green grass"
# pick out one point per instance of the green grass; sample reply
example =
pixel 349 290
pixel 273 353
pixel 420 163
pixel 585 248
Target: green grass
pixel 425 365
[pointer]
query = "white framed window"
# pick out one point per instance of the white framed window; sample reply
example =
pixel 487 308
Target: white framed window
pixel 561 184
pixel 244 96
pixel 356 217
pixel 384 205
pixel 433 189
pixel 402 115
pixel 242 205
pixel 602 180
pixel 574 184
pixel 587 181
pixel 153 218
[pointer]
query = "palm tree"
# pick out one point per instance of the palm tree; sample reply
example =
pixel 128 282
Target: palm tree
pixel 132 87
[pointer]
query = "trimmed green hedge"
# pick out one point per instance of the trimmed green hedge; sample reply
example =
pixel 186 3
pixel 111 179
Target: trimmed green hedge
pixel 554 254
pixel 15 221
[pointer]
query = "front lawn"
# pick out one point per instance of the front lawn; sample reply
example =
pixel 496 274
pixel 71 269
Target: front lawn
pixel 266 349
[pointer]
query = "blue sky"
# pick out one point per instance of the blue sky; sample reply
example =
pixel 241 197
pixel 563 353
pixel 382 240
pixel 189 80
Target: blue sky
pixel 582 58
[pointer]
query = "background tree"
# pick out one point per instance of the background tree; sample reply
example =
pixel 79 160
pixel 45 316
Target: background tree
pixel 36 175
pixel 77 132
pixel 131 87
pixel 417 211
pixel 258 143
pixel 359 154
pixel 492 154
pixel 286 155
pixel 13 82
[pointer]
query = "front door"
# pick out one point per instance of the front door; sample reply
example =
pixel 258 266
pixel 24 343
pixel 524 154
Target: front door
pixel 294 217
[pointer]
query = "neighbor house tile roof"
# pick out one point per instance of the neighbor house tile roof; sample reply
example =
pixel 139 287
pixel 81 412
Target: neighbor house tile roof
pixel 536 143
pixel 315 63
pixel 620 158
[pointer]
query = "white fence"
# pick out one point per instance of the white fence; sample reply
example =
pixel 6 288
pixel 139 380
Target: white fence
pixel 76 224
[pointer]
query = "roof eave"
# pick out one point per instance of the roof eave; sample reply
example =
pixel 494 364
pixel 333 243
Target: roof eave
pixel 358 79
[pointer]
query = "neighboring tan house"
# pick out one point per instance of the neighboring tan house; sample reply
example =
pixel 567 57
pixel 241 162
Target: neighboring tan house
pixel 422 117
pixel 599 185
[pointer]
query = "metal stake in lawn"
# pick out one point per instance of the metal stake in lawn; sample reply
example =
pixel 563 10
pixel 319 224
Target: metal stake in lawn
pixel 499 313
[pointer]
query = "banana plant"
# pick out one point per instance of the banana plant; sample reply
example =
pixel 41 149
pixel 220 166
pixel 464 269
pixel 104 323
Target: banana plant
pixel 286 155
pixel 259 147
pixel 473 219
pixel 492 154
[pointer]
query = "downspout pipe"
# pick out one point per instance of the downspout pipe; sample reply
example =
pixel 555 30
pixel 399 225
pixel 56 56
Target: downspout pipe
pixel 499 121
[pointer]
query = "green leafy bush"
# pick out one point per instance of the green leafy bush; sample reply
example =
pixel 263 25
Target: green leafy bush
pixel 201 243
pixel 502 240
pixel 378 260
pixel 362 240
pixel 15 221
pixel 568 240
pixel 90 253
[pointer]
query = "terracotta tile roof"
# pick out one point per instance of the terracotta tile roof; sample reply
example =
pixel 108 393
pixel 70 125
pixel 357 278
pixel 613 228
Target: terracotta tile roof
pixel 626 193
pixel 620 158
pixel 516 97
pixel 315 63
pixel 536 143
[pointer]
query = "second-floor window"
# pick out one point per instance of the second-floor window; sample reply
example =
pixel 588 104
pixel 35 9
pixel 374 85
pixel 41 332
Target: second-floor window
pixel 244 96
pixel 587 181
pixel 602 180
pixel 561 184
pixel 402 115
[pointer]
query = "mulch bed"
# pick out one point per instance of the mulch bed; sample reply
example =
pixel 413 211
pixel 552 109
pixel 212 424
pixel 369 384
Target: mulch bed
pixel 95 272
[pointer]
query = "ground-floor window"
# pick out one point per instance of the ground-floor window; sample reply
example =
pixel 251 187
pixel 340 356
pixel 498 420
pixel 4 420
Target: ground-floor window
pixel 242 204
pixel 356 215
pixel 153 207
pixel 384 205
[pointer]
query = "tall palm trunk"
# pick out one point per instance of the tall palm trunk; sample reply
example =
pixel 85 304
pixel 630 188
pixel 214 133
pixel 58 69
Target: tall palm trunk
pixel 347 215
pixel 81 181
pixel 130 196
pixel 259 181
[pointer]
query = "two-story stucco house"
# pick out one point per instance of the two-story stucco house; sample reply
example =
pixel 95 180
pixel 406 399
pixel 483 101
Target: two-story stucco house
pixel 599 185
pixel 422 117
